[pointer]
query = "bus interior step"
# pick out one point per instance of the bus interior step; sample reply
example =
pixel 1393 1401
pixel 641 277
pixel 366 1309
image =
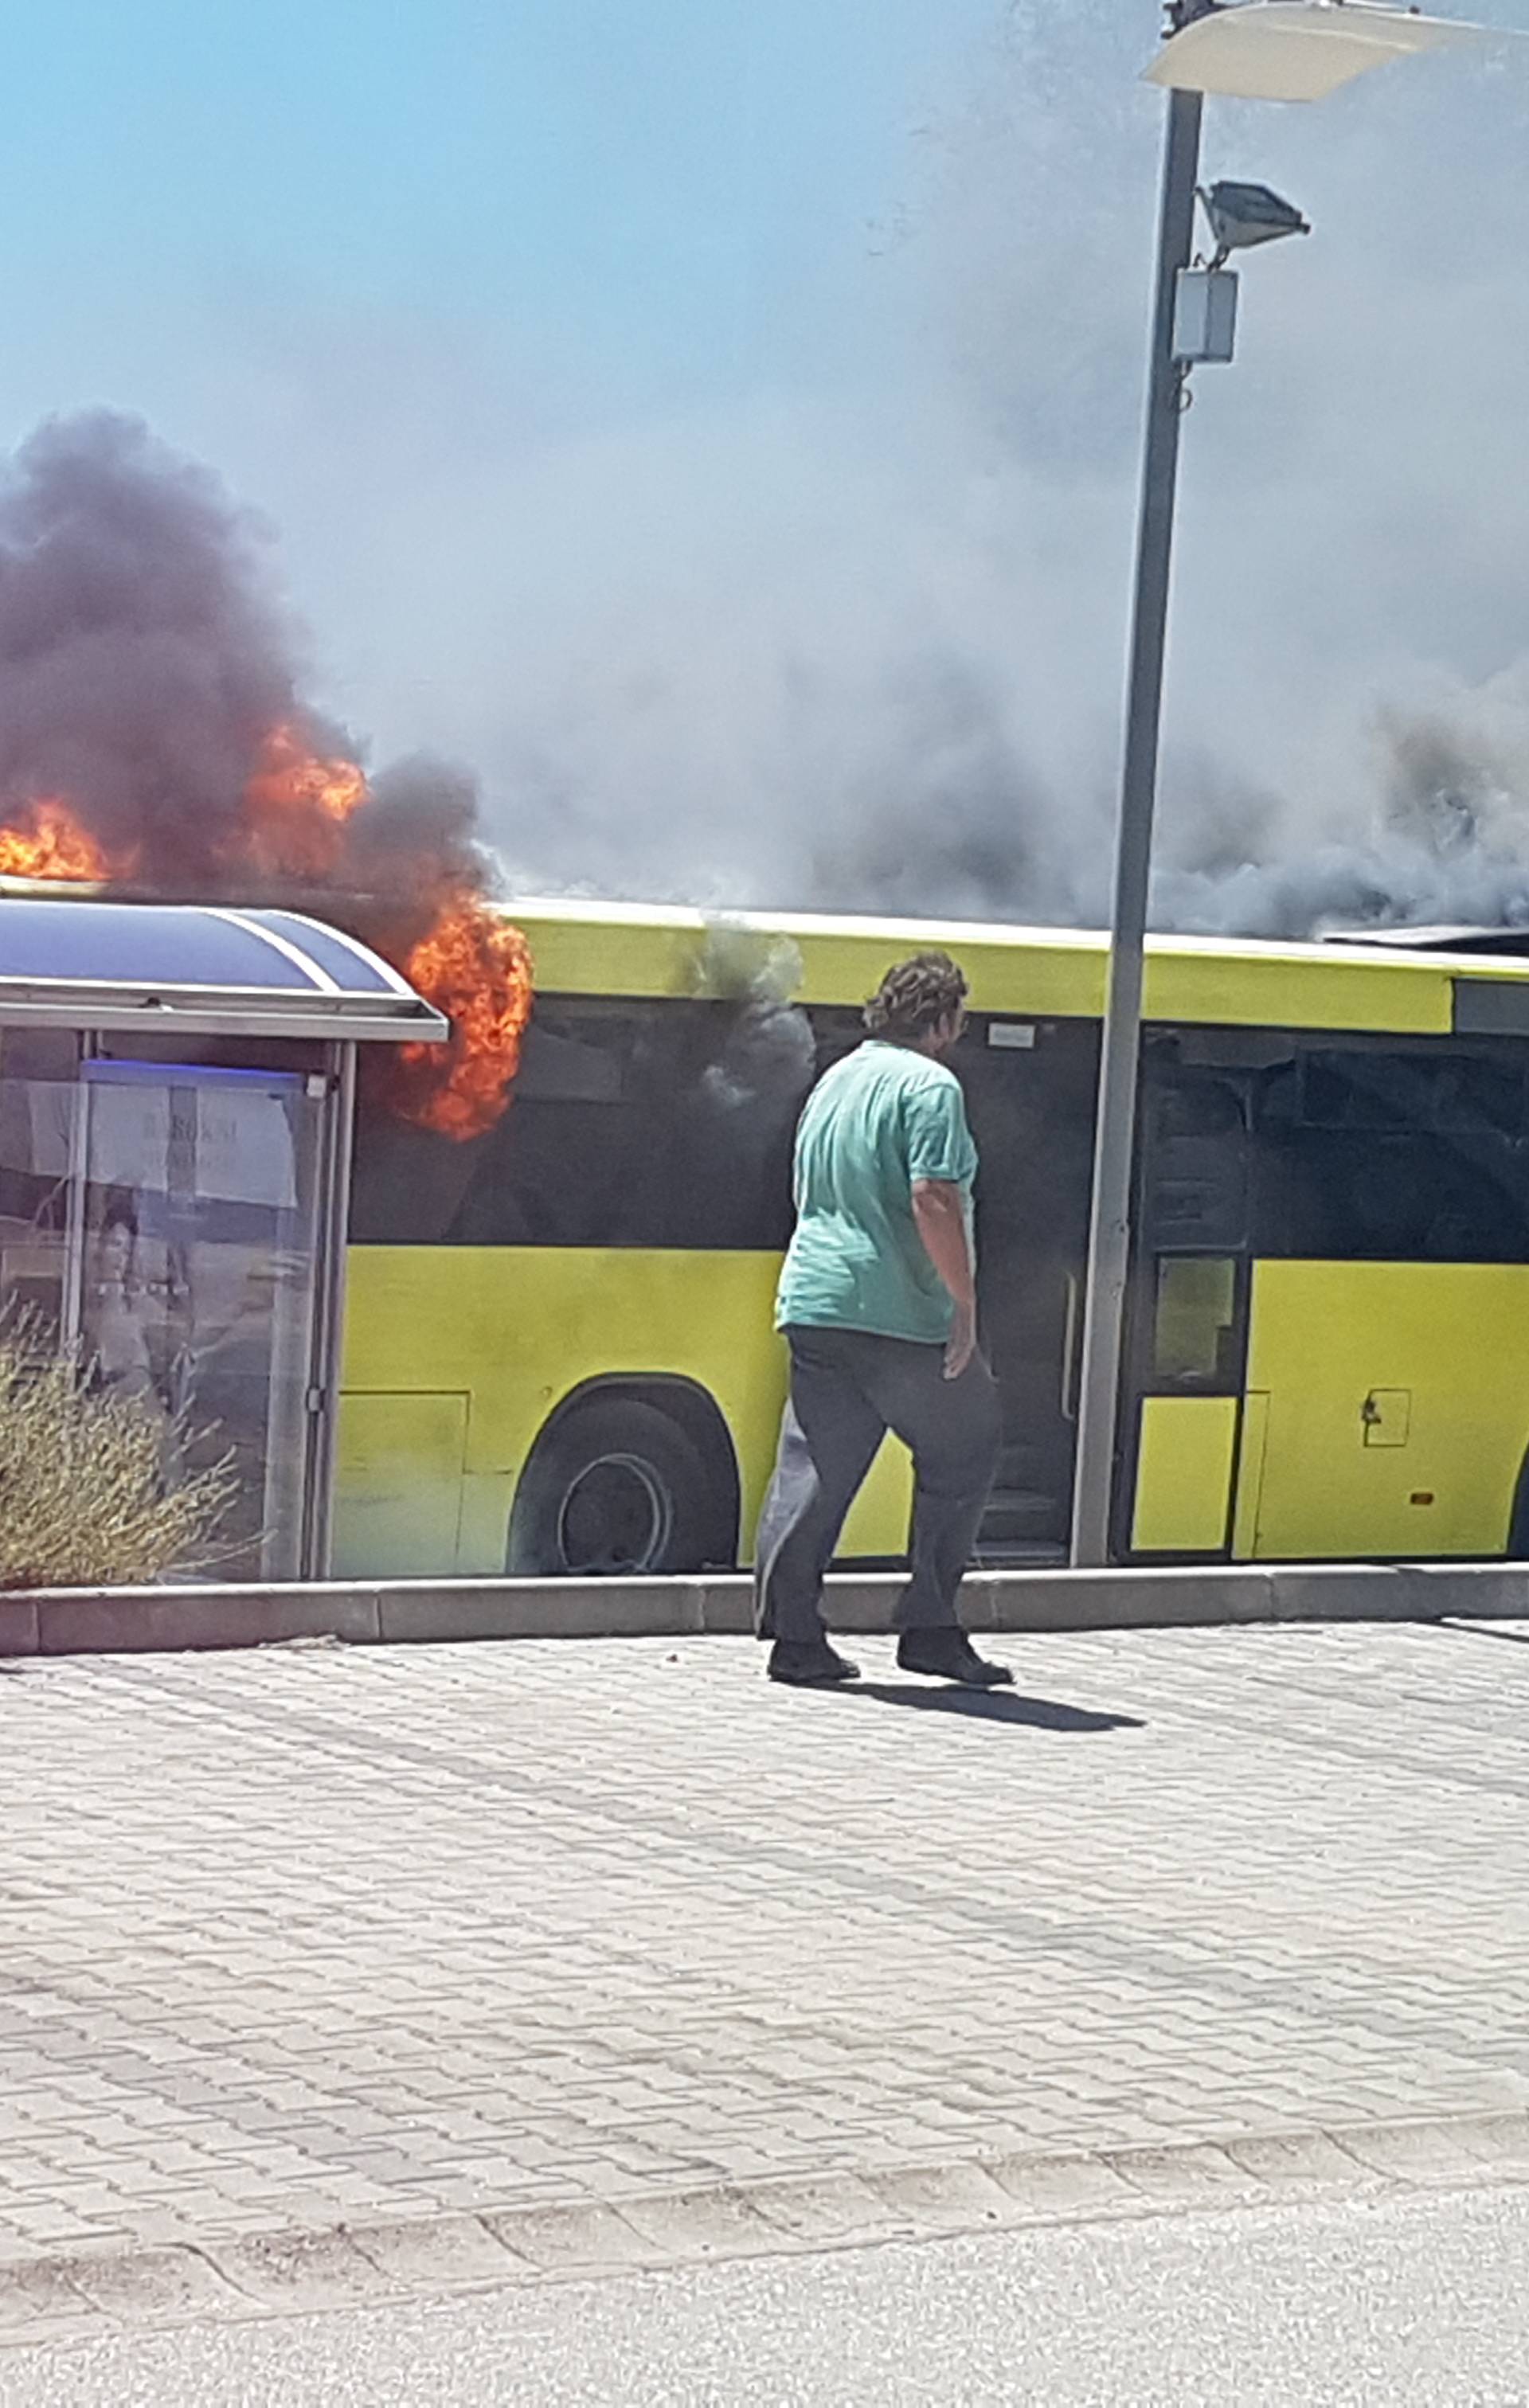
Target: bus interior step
pixel 1019 1555
pixel 1023 1514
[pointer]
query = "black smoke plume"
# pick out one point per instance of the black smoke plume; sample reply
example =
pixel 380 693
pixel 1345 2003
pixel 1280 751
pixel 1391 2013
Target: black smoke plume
pixel 144 666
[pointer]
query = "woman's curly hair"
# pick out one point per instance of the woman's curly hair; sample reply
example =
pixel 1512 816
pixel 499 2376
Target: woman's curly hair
pixel 914 998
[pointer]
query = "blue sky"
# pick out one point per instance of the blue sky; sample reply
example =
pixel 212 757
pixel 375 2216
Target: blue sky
pixel 387 264
pixel 642 185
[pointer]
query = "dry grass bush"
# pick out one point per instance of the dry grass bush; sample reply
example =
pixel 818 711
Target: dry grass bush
pixel 83 1500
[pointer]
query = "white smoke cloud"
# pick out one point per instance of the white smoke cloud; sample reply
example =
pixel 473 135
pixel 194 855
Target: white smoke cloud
pixel 860 638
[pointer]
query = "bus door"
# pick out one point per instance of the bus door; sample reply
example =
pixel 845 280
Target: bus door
pixel 1187 1316
pixel 1030 1090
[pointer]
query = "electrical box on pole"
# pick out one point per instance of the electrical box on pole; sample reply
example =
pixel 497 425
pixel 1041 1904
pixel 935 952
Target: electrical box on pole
pixel 1205 316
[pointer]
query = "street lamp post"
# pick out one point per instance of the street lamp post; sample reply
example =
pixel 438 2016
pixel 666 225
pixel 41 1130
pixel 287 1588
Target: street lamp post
pixel 1109 1231
pixel 1266 49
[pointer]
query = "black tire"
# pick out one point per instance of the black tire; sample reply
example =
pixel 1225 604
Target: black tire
pixel 614 1487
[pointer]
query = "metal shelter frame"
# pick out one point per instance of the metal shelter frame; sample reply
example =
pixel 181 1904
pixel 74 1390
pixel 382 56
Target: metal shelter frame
pixel 297 998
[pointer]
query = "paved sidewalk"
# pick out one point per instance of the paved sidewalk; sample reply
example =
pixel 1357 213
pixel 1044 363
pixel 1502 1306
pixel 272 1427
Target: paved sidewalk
pixel 315 1935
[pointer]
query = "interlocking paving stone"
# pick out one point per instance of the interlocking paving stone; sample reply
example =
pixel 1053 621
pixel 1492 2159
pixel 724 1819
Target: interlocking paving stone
pixel 306 1938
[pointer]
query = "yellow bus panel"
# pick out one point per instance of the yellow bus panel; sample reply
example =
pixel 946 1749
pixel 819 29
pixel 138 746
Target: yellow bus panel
pixel 506 1333
pixel 643 950
pixel 399 1468
pixel 1397 1409
pixel 1184 1475
pixel 882 1514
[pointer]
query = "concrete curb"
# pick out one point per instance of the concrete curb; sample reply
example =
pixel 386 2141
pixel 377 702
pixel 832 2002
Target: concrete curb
pixel 85 2295
pixel 76 1622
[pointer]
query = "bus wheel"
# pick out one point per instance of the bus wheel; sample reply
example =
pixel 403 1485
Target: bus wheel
pixel 615 1486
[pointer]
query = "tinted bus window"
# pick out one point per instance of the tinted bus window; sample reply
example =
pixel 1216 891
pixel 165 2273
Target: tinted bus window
pixel 631 1124
pixel 1400 1155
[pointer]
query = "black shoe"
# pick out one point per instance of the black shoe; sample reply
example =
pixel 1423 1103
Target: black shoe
pixel 809 1663
pixel 950 1656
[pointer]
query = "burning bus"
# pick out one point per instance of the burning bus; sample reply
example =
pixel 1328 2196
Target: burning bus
pixel 565 1220
pixel 566 1223
pixel 559 1352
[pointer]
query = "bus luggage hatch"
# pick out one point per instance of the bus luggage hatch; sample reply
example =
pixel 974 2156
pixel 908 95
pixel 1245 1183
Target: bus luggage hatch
pixel 1185 1457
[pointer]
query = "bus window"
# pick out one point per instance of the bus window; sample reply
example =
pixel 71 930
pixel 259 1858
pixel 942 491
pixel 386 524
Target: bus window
pixel 1378 1154
pixel 1462 1094
pixel 1195 1161
pixel 1195 1326
pixel 1364 1091
pixel 1483 1094
pixel 664 1123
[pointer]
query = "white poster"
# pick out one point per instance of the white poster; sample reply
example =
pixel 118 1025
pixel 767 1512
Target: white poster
pixel 227 1144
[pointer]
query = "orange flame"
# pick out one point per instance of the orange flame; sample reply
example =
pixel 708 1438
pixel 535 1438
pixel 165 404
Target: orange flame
pixel 46 841
pixel 295 807
pixel 476 968
pixel 473 965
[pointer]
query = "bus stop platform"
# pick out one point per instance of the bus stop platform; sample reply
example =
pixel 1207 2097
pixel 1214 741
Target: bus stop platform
pixel 329 1972
pixel 71 1622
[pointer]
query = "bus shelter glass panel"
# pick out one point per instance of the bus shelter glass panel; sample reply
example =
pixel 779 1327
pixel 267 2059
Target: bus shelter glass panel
pixel 39 1100
pixel 195 1244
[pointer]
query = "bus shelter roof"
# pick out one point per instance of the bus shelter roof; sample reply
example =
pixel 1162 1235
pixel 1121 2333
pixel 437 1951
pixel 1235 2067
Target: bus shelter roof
pixel 200 969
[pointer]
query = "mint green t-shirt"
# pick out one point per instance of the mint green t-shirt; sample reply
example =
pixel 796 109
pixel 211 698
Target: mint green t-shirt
pixel 875 1123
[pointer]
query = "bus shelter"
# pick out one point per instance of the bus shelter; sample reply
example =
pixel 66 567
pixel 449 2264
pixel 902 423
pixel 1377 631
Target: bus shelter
pixel 177 1096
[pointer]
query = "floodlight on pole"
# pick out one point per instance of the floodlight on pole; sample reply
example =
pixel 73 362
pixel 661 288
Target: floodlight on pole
pixel 1260 50
pixel 1241 216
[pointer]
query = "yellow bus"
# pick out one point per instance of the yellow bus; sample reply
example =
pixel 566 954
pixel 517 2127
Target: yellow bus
pixel 559 1356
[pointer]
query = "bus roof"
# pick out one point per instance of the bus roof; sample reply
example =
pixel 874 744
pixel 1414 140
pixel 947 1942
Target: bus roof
pixel 651 949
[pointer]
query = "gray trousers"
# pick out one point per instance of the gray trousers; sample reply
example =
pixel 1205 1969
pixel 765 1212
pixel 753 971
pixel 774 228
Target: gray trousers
pixel 848 1389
